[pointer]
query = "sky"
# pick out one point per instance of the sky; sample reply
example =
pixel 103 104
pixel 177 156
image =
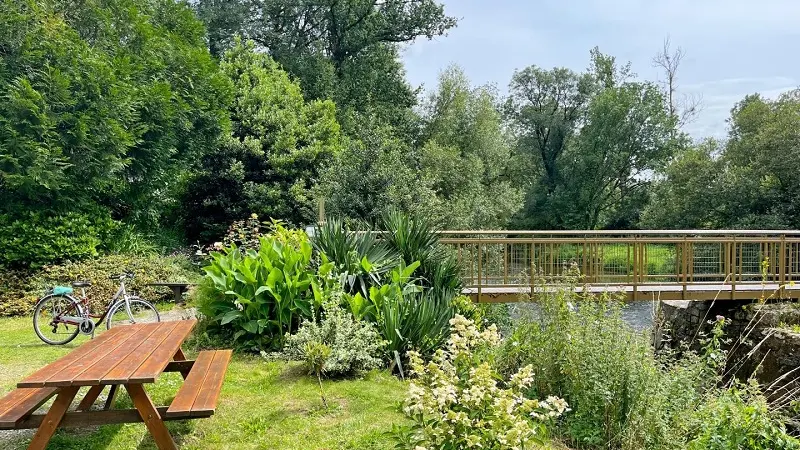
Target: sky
pixel 733 47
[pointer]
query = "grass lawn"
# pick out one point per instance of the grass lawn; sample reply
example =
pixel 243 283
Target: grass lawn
pixel 264 405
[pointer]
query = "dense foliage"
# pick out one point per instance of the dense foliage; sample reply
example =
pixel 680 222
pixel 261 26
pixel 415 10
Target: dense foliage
pixel 355 346
pixel 264 293
pixel 622 393
pixel 458 400
pixel 19 290
pixel 104 107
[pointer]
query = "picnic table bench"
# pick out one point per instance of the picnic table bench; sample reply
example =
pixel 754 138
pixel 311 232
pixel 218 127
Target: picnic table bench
pixel 129 356
pixel 178 288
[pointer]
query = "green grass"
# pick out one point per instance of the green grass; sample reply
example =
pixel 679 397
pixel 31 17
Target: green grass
pixel 263 405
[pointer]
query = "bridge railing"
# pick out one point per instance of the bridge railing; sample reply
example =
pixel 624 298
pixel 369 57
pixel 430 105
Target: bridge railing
pixel 681 264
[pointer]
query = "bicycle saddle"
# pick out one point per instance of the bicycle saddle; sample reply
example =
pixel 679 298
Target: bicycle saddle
pixel 80 284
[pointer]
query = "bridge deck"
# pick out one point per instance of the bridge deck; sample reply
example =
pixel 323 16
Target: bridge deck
pixel 642 292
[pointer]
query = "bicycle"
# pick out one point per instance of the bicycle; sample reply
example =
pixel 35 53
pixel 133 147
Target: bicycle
pixel 59 308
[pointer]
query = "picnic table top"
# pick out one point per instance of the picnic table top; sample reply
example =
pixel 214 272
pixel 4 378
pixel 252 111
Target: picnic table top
pixel 171 283
pixel 127 354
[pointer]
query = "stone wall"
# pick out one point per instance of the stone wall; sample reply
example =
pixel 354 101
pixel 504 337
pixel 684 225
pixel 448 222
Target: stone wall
pixel 759 346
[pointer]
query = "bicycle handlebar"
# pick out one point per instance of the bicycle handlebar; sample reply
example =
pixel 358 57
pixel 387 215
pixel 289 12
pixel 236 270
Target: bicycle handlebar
pixel 122 276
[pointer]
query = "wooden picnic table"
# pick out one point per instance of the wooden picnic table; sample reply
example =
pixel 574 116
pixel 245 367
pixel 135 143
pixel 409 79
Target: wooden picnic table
pixel 129 356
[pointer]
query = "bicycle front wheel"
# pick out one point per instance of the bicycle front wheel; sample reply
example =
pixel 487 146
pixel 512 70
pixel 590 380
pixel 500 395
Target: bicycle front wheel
pixel 141 311
pixel 49 319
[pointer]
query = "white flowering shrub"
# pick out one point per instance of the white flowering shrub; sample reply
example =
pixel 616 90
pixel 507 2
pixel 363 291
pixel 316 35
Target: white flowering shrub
pixel 457 400
pixel 355 346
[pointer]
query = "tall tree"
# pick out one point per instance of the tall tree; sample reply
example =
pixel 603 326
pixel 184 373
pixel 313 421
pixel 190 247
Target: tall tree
pixel 272 161
pixel 466 153
pixel 105 104
pixel 587 142
pixel 345 50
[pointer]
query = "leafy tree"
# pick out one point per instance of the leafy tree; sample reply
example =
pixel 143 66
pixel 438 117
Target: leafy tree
pixel 376 173
pixel 105 106
pixel 686 194
pixel 344 50
pixel 272 161
pixel 466 154
pixel 586 143
pixel 750 182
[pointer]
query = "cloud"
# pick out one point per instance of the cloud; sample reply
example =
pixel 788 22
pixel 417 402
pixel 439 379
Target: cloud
pixel 733 47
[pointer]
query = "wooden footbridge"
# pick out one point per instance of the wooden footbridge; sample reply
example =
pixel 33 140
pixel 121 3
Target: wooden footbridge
pixel 500 266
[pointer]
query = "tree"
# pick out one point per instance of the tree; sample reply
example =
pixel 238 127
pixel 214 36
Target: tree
pixel 466 154
pixel 344 50
pixel 105 106
pixel 375 173
pixel 271 163
pixel 687 194
pixel 586 143
pixel 686 108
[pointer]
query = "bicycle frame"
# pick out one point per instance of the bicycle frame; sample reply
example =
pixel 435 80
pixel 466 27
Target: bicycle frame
pixel 85 314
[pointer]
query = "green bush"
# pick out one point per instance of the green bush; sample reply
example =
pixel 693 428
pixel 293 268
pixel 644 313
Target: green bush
pixel 15 298
pixel 146 268
pixel 34 239
pixel 19 290
pixel 416 239
pixel 738 418
pixel 266 293
pixel 355 345
pixel 361 259
pixel 623 395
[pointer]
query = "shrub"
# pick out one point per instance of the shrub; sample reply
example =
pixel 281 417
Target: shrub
pixel 623 394
pixel 264 293
pixel 361 259
pixel 34 239
pixel 147 268
pixel 354 345
pixel 738 418
pixel 457 402
pixel 407 317
pixel 19 290
pixel 15 298
pixel 416 239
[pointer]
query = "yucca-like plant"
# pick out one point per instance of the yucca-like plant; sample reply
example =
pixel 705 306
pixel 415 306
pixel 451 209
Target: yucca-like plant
pixel 417 239
pixel 360 258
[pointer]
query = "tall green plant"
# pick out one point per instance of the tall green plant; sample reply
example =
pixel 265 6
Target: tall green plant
pixel 265 293
pixel 416 239
pixel 361 259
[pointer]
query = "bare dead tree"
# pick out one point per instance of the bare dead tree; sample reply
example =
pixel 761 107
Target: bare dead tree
pixel 687 106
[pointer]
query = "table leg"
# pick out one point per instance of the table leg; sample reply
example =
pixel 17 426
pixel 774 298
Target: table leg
pixel 150 416
pixel 178 293
pixel 53 418
pixel 90 398
pixel 112 395
pixel 179 356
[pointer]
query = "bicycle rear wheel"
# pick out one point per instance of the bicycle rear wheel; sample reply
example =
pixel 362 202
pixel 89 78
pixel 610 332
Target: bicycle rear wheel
pixel 47 323
pixel 142 311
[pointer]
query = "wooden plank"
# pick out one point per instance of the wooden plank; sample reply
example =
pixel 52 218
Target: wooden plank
pixel 53 418
pixel 38 378
pixel 93 418
pixel 151 417
pixel 206 401
pixel 90 398
pixel 161 357
pixel 121 372
pixel 22 402
pixel 180 366
pixel 182 404
pixel 86 371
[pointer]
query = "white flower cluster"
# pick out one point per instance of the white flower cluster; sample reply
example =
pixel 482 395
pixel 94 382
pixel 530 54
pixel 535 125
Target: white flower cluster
pixel 457 401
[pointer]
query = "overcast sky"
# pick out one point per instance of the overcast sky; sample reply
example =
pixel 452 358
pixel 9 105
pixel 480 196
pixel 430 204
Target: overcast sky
pixel 733 47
